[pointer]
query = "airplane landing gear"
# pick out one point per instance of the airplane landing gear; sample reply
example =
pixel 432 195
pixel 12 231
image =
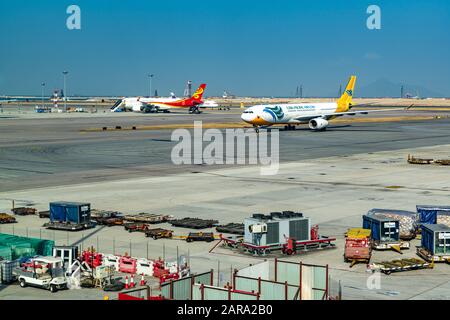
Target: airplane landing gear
pixel 256 129
pixel 194 110
pixel 289 127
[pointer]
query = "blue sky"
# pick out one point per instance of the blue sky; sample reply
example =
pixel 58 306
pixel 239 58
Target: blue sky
pixel 246 47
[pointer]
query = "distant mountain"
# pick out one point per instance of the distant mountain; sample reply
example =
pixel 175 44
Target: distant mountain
pixel 385 88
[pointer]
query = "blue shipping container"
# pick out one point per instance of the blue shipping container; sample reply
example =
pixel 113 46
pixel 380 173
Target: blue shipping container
pixel 73 212
pixel 383 229
pixel 436 239
pixel 57 213
pixel 428 214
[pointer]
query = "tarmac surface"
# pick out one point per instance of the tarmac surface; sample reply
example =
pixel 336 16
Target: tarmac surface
pixel 333 177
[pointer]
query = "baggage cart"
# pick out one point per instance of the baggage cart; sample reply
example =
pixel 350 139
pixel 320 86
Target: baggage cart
pixel 387 267
pixel 232 228
pixel 6 218
pixel 194 223
pixel 148 218
pixel 358 247
pixel 158 233
pixel 24 211
pixel 136 227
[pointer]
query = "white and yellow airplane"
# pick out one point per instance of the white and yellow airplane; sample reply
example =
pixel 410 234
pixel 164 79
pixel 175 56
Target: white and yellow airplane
pixel 316 115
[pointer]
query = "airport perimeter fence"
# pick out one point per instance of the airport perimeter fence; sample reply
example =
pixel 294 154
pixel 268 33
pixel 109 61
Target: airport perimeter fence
pixel 141 248
pixel 312 279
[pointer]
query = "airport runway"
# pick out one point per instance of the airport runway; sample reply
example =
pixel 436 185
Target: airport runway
pixel 53 150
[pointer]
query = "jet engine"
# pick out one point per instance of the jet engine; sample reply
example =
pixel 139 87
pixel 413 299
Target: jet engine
pixel 318 124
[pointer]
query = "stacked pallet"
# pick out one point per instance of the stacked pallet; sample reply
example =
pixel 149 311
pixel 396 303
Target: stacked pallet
pixel 443 219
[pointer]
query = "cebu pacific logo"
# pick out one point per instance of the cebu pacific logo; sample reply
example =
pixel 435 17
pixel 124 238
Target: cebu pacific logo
pixel 276 112
pixel 349 92
pixel 198 93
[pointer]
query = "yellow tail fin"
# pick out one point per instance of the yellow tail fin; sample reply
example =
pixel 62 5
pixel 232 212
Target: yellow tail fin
pixel 346 98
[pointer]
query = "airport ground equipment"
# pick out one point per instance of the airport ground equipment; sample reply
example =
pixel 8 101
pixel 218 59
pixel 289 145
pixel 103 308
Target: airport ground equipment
pixel 287 231
pixel 443 162
pixel 158 233
pixel 44 214
pixel 357 246
pixel 387 267
pixel 408 221
pixel 136 226
pixel 24 211
pixel 148 218
pixel 435 243
pixel 110 222
pixel 414 160
pixel 194 223
pixel 92 258
pixel 6 270
pixel 42 272
pixel 432 214
pixel 200 236
pixel 232 228
pixel 6 218
pixel 70 216
pixel 107 218
pixel 385 233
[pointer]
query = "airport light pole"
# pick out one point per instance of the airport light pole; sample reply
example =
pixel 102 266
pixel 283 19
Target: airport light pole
pixel 42 93
pixel 150 76
pixel 65 92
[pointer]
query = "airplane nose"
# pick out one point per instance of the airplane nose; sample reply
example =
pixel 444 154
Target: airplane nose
pixel 244 116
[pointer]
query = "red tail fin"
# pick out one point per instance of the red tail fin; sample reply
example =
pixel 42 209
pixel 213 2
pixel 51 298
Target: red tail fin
pixel 199 92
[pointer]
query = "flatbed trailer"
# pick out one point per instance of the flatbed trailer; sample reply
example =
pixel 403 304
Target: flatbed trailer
pixel 428 256
pixel 151 218
pixel 198 236
pixel 194 223
pixel 113 221
pixel 396 246
pixel 301 246
pixel 44 214
pixel 136 226
pixel 158 233
pixel 24 211
pixel 69 226
pixel 387 267
pixel 232 228
pixel 6 218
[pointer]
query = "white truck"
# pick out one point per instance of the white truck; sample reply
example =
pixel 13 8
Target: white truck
pixel 42 272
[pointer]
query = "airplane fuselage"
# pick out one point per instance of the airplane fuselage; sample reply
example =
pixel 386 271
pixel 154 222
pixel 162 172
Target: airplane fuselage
pixel 292 113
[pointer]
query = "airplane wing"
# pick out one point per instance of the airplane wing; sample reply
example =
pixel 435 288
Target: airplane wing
pixel 352 113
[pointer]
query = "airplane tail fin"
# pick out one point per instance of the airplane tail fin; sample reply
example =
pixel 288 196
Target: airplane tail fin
pixel 345 100
pixel 199 92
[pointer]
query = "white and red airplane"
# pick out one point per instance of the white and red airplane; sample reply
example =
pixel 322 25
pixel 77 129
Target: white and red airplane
pixel 152 105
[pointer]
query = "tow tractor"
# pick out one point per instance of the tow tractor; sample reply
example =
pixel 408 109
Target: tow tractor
pixel 42 272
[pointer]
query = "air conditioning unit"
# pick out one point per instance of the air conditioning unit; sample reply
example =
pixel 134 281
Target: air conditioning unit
pixel 258 228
